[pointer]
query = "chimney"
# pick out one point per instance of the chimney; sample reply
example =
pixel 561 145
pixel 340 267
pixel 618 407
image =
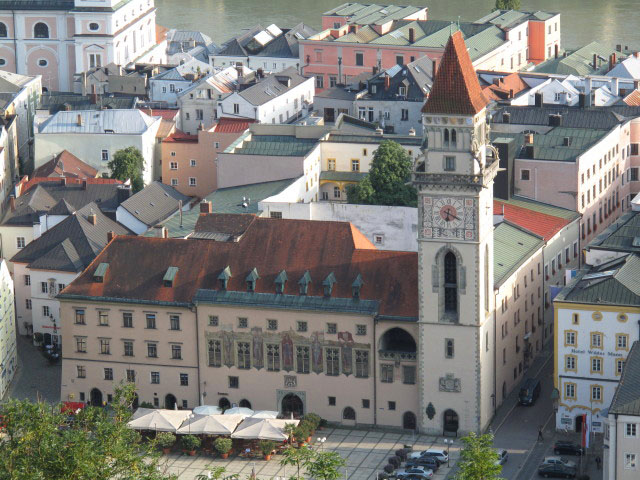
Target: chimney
pixel 615 58
pixel 538 100
pixel 12 202
pixel 496 81
pixel 93 98
pixel 93 218
pixel 434 68
pixel 206 207
pixel 636 84
pixel 110 236
pixel 374 70
pixel 595 61
pixel 528 139
pixel 387 82
pixel 615 86
pixel 84 184
pixel 165 232
pixel 79 120
pixel 412 35
pixel 511 93
pixel 610 63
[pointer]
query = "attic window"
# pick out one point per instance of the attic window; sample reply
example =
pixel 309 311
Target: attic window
pixel 170 276
pixel 251 280
pixel 101 271
pixel 356 286
pixel 304 283
pixel 281 279
pixel 224 277
pixel 328 284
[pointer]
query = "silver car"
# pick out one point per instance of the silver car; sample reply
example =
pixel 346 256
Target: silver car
pixel 503 455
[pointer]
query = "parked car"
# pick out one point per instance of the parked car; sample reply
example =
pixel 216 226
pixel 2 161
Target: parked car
pixel 426 461
pixel 415 472
pixel 529 392
pixel 558 461
pixel 437 453
pixel 567 448
pixel 415 476
pixel 502 456
pixel 556 470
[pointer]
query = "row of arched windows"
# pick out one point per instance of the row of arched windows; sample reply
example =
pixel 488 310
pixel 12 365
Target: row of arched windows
pixel 40 30
pixel 450 138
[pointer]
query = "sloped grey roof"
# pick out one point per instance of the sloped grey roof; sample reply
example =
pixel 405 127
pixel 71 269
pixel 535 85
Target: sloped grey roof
pixel 72 244
pixel 133 122
pixel 285 45
pixel 55 101
pixel 270 88
pixel 626 400
pixel 155 203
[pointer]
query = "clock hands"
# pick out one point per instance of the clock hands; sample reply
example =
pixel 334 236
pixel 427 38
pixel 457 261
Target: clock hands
pixel 450 215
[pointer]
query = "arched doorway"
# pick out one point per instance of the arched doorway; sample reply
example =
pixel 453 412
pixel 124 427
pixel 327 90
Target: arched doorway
pixel 244 403
pixel 409 421
pixel 397 340
pixel 292 405
pixel 349 416
pixel 170 401
pixel 95 397
pixel 224 403
pixel 450 422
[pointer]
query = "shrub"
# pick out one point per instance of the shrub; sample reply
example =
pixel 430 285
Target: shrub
pixel 190 442
pixel 313 419
pixel 301 432
pixel 267 446
pixel 389 468
pixel 147 405
pixel 166 439
pixel 222 445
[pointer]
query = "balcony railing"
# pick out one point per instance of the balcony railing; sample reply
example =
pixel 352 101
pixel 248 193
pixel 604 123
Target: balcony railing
pixel 398 356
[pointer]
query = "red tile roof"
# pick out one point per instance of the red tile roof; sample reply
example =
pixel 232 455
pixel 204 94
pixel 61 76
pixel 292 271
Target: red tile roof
pixel 137 265
pixel 456 89
pixel 507 85
pixel 65 164
pixel 231 125
pixel 539 223
pixel 161 33
pixel 633 99
pixel 166 113
pixel 180 136
pixel 27 183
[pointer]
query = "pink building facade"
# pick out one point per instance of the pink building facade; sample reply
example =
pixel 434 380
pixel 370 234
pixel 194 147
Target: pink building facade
pixel 59 39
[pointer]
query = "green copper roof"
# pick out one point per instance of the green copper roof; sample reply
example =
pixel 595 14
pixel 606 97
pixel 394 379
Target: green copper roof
pixel 512 246
pixel 335 176
pixel 579 62
pixel 275 145
pixel 620 236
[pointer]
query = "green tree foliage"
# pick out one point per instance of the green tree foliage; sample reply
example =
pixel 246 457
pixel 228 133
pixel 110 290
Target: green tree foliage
pixel 325 466
pixel 296 457
pixel 507 4
pixel 386 182
pixel 478 459
pixel 41 443
pixel 128 164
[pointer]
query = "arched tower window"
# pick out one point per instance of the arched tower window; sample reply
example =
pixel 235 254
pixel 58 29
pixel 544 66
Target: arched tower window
pixel 450 284
pixel 3 30
pixel 446 137
pixel 40 30
pixel 453 138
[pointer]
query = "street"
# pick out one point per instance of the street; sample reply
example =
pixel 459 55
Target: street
pixel 35 378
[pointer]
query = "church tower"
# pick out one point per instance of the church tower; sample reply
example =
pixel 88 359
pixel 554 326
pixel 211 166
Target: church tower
pixel 454 179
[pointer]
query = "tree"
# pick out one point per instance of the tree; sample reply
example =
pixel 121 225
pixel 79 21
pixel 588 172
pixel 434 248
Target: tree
pixel 41 443
pixel 325 465
pixel 478 459
pixel 507 4
pixel 296 457
pixel 386 182
pixel 128 164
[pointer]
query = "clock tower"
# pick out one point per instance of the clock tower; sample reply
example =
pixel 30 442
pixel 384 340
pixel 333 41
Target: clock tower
pixel 454 180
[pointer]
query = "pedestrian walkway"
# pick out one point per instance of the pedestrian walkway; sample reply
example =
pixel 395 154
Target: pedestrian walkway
pixel 366 453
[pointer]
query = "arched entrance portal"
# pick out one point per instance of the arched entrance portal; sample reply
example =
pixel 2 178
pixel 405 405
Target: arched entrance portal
pixel 170 401
pixel 450 422
pixel 291 404
pixel 245 403
pixel 95 397
pixel 224 403
pixel 409 421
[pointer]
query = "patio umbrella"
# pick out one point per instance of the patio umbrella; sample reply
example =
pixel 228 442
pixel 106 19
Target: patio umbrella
pixel 247 412
pixel 210 424
pixel 207 410
pixel 158 420
pixel 265 414
pixel 262 429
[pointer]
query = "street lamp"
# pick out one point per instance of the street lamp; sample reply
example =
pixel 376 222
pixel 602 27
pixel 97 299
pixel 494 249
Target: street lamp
pixel 448 443
pixel 321 441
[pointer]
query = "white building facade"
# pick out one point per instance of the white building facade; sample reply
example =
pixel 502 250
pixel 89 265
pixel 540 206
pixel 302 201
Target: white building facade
pixel 8 351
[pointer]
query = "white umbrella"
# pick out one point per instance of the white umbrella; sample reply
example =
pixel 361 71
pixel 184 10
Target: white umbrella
pixel 262 429
pixel 247 412
pixel 207 410
pixel 210 424
pixel 265 414
pixel 158 420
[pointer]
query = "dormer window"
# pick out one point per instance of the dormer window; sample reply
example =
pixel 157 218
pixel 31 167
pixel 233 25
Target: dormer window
pixel 402 91
pixel 170 276
pixel 304 283
pixel 328 284
pixel 251 280
pixel 356 286
pixel 281 279
pixel 101 271
pixel 224 277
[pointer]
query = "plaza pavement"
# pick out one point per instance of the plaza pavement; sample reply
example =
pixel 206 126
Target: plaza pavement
pixel 366 453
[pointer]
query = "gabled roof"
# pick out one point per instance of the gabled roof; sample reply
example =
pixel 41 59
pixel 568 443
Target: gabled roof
pixel 155 203
pixel 271 87
pixel 512 246
pixel 456 89
pixel 65 164
pixel 633 99
pixel 504 87
pixel 27 183
pixel 138 264
pixel 13 82
pixel 528 216
pixel 626 399
pixel 231 125
pixel 72 244
pixel 621 236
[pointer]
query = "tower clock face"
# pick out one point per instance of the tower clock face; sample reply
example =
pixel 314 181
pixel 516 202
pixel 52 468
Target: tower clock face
pixel 449 217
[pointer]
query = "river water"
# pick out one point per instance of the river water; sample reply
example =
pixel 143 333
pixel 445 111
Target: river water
pixel 608 21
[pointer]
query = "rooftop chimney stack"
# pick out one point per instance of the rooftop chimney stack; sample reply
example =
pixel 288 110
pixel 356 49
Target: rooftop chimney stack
pixel 93 218
pixel 110 236
pixel 93 98
pixel 387 82
pixel 528 139
pixel 79 120
pixel 206 207
pixel 412 35
pixel 595 61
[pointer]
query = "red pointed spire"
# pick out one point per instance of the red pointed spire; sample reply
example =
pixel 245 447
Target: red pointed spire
pixel 456 89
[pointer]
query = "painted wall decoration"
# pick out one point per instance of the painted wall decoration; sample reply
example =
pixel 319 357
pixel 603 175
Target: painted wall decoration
pixel 257 348
pixel 287 352
pixel 227 347
pixel 317 339
pixel 346 342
